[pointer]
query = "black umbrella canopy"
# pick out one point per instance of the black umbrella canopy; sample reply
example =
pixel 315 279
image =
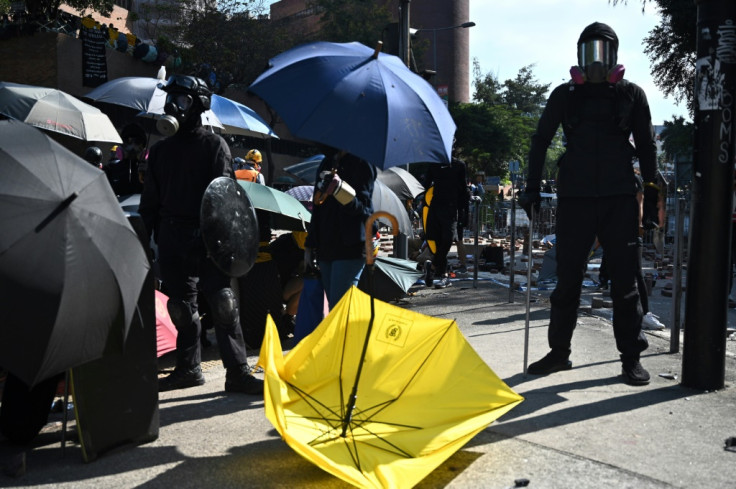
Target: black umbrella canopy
pixel 403 183
pixel 71 266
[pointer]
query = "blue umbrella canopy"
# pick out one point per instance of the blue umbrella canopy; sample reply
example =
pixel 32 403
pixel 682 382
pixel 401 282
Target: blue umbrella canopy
pixel 239 119
pixel 307 169
pixel 353 98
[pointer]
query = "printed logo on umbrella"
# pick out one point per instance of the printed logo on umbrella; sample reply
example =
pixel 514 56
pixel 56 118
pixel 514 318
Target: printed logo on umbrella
pixel 394 330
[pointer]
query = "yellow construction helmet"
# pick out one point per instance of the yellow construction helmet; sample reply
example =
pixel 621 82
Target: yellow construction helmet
pixel 255 156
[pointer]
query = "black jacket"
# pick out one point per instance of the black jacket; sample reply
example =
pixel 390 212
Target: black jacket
pixel 336 230
pixel 179 170
pixel 597 120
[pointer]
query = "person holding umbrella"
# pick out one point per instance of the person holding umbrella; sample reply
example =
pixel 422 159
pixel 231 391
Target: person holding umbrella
pixel 342 203
pixel 180 168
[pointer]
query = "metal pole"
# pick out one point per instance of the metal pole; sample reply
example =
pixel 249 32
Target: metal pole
pixel 706 301
pixel 528 290
pixel 404 33
pixel 476 201
pixel 677 276
pixel 512 247
pixel 434 48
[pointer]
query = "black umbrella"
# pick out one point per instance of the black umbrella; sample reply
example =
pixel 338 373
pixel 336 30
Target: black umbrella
pixel 71 266
pixel 403 183
pixel 392 278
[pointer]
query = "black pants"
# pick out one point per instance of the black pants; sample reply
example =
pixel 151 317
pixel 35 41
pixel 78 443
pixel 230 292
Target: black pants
pixel 442 229
pixel 615 221
pixel 184 264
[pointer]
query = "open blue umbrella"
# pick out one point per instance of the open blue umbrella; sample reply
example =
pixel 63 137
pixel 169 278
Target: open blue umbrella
pixel 239 119
pixel 353 98
pixel 306 170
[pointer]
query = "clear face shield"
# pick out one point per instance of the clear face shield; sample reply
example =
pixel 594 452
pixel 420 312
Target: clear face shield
pixel 596 57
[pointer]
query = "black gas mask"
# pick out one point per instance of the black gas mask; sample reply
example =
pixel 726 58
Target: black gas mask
pixel 186 98
pixel 597 56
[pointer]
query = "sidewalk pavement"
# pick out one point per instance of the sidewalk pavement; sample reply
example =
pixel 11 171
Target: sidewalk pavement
pixel 581 428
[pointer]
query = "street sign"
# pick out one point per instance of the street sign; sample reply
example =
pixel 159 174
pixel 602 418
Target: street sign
pixel 513 166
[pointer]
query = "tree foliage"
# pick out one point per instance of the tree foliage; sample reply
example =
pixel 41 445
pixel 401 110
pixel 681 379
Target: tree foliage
pixel 487 89
pixel 232 38
pixel 48 8
pixel 524 93
pixel 352 20
pixel 671 48
pixel 678 138
pixel 236 41
pixel 497 127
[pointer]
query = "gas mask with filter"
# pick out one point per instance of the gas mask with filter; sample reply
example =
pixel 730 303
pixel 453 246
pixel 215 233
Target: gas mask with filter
pixel 597 56
pixel 186 98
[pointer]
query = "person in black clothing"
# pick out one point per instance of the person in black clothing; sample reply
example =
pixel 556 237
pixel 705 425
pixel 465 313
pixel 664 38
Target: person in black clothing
pixel 449 205
pixel 596 190
pixel 125 172
pixel 342 203
pixel 93 155
pixel 180 168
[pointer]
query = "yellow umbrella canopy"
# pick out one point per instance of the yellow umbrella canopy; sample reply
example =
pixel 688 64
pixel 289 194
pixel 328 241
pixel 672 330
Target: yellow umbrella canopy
pixel 423 392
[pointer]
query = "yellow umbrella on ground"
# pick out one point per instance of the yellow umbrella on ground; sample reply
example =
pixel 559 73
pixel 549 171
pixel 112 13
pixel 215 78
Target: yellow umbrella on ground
pixel 422 392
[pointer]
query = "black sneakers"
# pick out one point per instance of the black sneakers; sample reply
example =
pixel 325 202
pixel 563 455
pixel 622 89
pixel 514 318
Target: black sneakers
pixel 634 373
pixel 181 378
pixel 240 380
pixel 551 363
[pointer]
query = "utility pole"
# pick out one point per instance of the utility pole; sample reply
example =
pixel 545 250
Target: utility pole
pixel 709 267
pixel 404 33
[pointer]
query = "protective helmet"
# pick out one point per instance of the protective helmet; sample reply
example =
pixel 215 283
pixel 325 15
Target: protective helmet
pixel 598 52
pixel 186 98
pixel 93 155
pixel 255 156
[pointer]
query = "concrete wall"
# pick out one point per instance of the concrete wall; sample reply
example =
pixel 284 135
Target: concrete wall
pixel 54 60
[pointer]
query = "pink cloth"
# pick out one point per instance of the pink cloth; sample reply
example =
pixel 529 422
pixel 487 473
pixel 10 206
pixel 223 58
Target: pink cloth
pixel 165 329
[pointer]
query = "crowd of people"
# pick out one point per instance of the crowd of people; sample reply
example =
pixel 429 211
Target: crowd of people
pixel 599 198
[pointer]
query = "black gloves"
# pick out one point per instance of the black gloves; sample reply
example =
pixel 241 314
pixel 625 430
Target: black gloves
pixel 310 261
pixel 529 199
pixel 650 217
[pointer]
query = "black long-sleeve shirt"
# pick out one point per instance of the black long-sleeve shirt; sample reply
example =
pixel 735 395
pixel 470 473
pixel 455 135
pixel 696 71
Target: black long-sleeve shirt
pixel 179 170
pixel 597 119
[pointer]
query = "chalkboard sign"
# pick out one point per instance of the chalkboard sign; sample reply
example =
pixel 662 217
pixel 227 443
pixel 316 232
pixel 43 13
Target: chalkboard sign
pixel 94 61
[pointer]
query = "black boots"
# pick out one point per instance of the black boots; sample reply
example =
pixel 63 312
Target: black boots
pixel 181 378
pixel 239 379
pixel 633 372
pixel 554 361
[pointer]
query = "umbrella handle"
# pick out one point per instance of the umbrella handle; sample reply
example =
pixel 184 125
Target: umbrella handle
pixel 369 259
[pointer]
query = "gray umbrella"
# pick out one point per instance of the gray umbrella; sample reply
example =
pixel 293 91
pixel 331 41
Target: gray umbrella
pixel 383 198
pixel 71 265
pixel 56 111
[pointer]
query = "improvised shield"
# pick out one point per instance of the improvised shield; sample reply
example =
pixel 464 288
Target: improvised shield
pixel 229 227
